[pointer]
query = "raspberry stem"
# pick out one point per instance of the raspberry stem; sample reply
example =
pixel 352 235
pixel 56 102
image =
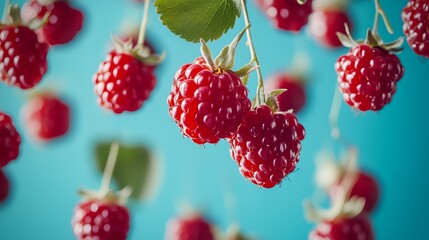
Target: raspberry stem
pixel 260 97
pixel 334 114
pixel 110 166
pixel 379 11
pixel 142 31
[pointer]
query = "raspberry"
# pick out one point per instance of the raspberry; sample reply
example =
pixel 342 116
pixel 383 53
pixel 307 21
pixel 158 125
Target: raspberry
pixel 47 117
pixel 367 77
pixel 22 56
pixel 286 15
pixel 63 24
pixel 123 83
pixel 194 228
pixel 294 98
pixel 415 16
pixel 9 140
pixel 95 219
pixel 207 105
pixel 324 25
pixel 267 146
pixel 357 228
pixel 4 186
pixel 365 187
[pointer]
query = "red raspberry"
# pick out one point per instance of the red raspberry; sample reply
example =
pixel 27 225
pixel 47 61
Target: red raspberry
pixel 367 77
pixel 4 186
pixel 267 146
pixel 194 228
pixel 47 117
pixel 207 105
pixel 357 228
pixel 324 25
pixel 287 15
pixel 63 24
pixel 365 187
pixel 416 25
pixel 294 98
pixel 22 56
pixel 101 220
pixel 9 140
pixel 123 83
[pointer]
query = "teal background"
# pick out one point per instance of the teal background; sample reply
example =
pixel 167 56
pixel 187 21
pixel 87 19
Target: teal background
pixel 392 143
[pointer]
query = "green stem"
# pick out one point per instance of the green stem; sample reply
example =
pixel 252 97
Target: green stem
pixel 5 10
pixel 110 166
pixel 334 114
pixel 143 25
pixel 260 89
pixel 379 11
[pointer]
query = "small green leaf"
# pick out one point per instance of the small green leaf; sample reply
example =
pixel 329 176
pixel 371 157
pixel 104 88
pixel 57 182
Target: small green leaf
pixel 245 79
pixel 272 103
pixel 370 39
pixel 135 167
pixel 277 92
pixel 226 61
pixel 246 70
pixel 195 19
pixel 207 54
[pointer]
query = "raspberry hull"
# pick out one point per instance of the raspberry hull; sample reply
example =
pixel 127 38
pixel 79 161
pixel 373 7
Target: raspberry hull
pixel 367 77
pixel 415 16
pixel 207 105
pixel 9 140
pixel 267 146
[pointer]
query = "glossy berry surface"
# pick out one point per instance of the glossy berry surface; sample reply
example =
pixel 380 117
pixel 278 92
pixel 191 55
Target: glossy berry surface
pixel 206 104
pixel 357 228
pixel 267 146
pixel 324 25
pixel 4 186
pixel 367 77
pixel 47 117
pixel 100 220
pixel 123 83
pixel 286 15
pixel 365 187
pixel 295 95
pixel 63 24
pixel 9 140
pixel 22 57
pixel 194 228
pixel 415 16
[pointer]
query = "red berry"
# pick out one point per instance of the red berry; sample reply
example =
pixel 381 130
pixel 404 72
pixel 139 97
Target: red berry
pixel 101 220
pixel 367 77
pixel 123 83
pixel 416 25
pixel 22 56
pixel 47 117
pixel 9 140
pixel 357 228
pixel 294 97
pixel 194 228
pixel 365 187
pixel 63 24
pixel 267 146
pixel 4 186
pixel 287 15
pixel 207 104
pixel 324 25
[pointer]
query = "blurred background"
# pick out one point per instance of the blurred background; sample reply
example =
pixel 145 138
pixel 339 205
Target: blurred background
pixel 45 178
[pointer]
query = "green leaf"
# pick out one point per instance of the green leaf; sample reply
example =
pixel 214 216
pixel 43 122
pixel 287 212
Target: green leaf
pixel 135 167
pixel 195 19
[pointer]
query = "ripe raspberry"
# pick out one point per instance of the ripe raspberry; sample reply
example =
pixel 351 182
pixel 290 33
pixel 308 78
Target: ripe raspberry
pixel 95 219
pixel 123 82
pixel 194 228
pixel 324 25
pixel 22 56
pixel 267 146
pixel 286 15
pixel 416 26
pixel 63 24
pixel 4 186
pixel 207 105
pixel 367 77
pixel 294 98
pixel 47 117
pixel 357 228
pixel 9 140
pixel 365 187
